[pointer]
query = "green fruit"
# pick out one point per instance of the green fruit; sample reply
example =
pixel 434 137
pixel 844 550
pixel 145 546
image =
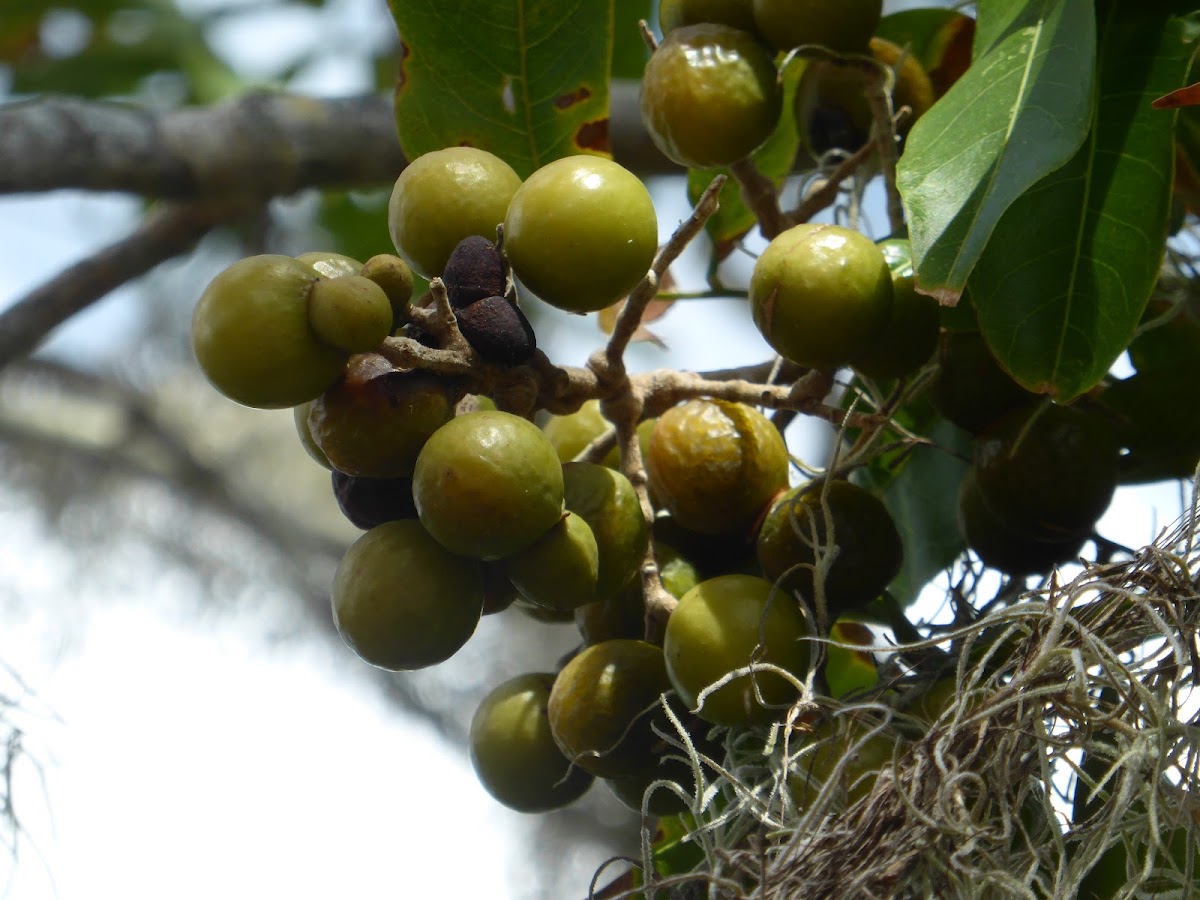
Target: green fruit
pixel 821 294
pixel 401 601
pixel 300 419
pixel 849 669
pixel 674 14
pixel 605 499
pixel 350 312
pixel 715 630
pixel 581 232
pixel 971 390
pixel 396 278
pixel 513 752
pixel 678 573
pixel 912 332
pixel 842 25
pixel 849 751
pixel 795 534
pixel 251 336
pixel 375 421
pixel 331 265
pixel 488 484
pixel 571 433
pixel 1048 472
pixel 715 465
pixel 623 615
pixel 1004 548
pixel 559 569
pixel 444 196
pixel 602 704
pixel 710 95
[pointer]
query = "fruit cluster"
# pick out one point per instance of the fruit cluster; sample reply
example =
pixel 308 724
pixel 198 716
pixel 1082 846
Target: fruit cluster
pixel 658 512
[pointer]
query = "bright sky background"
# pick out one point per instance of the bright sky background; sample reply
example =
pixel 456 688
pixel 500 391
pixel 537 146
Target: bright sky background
pixel 195 756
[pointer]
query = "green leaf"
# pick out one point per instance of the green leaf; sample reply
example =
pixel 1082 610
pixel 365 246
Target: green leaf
pixel 1069 269
pixel 629 52
pixel 1018 113
pixel 524 79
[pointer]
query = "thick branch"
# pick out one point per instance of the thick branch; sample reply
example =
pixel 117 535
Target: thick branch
pixel 257 146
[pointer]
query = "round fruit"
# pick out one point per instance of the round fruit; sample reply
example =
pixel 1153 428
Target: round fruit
pixel 851 752
pixel 842 25
pixel 444 196
pixel 513 752
pixel 300 418
pixel 821 294
pixel 375 421
pixel 605 499
pixel 498 331
pixel 251 336
pixel 716 629
pixel 476 269
pixel 971 390
pixel 832 109
pixel 368 502
pixel 710 95
pixel 1002 547
pixel 911 335
pixel 350 312
pixel 674 14
pixel 488 484
pixel 602 704
pixel 581 232
pixel 571 433
pixel 396 278
pixel 715 464
pixel 795 536
pixel 331 265
pixel 559 569
pixel 623 615
pixel 401 601
pixel 1048 472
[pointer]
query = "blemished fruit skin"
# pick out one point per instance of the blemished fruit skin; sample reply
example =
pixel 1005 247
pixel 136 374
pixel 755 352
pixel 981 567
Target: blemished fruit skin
pixel 444 196
pixel 710 95
pixel 842 25
pixel 820 294
pixel 715 629
pixel 513 752
pixel 581 232
pixel 602 704
pixel 401 601
pixel 367 502
pixel 498 331
pixel 714 465
pixel 869 555
pixel 488 484
pixel 476 269
pixel 252 339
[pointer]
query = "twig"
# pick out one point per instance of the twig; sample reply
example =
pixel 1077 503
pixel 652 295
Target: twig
pixel 166 232
pixel 760 195
pixel 826 193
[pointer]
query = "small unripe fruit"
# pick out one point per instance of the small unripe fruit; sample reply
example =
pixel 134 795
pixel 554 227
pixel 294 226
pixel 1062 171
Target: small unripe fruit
pixel 559 569
pixel 350 312
pixel 331 265
pixel 605 499
pixel 396 278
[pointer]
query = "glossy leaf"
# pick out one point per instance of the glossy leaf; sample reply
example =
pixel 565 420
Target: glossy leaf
pixel 1019 112
pixel 525 79
pixel 1061 286
pixel 629 53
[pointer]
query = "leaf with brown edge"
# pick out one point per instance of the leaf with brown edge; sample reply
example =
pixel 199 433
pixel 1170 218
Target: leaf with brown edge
pixel 524 79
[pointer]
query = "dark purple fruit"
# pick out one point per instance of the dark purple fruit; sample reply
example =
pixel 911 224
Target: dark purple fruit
pixel 498 331
pixel 476 269
pixel 368 502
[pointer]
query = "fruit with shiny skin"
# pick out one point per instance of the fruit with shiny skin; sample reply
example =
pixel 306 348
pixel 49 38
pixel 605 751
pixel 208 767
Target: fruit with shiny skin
pixel 1002 547
pixel 607 501
pixel 396 278
pixel 715 464
pixel 842 25
pixel 971 390
pixel 602 705
pixel 794 535
pixel 252 339
pixel 674 14
pixel 401 601
pixel 1048 472
pixel 330 264
pixel 350 312
pixel 559 570
pixel 831 106
pixel 581 232
pixel 488 484
pixel 821 294
pixel 375 421
pixel 715 630
pixel 710 95
pixel 571 433
pixel 912 332
pixel 367 502
pixel 513 752
pixel 444 196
